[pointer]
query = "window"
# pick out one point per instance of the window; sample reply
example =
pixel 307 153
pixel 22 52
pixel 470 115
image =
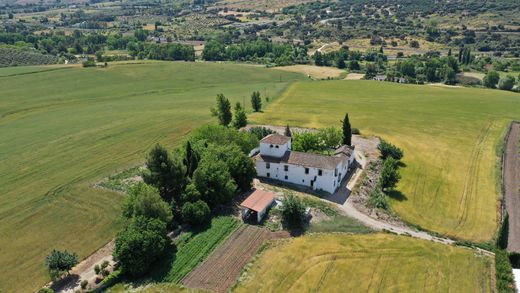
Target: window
pixel 267 165
pixel 303 180
pixel 268 175
pixel 277 146
pixel 336 172
pixel 306 170
pixel 320 172
pixel 271 146
pixel 286 177
pixel 286 168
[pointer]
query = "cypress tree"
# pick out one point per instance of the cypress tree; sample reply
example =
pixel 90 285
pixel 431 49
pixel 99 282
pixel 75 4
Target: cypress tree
pixel 256 101
pixel 347 131
pixel 191 160
pixel 223 110
pixel 287 131
pixel 503 234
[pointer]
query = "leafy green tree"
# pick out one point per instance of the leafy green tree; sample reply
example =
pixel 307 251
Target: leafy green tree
pixel 59 262
pixel 378 198
pixel 165 172
pixel 389 150
pixel 220 135
pixel 223 110
pixel 331 137
pixel 214 51
pixel 370 71
pixel 191 160
pixel 196 213
pixel 145 201
pixel 190 194
pixel 141 35
pixel 256 101
pixel 287 131
pixel 214 182
pixel 491 79
pixel 260 131
pixel 306 142
pixel 140 244
pixel 347 131
pixel 341 63
pixel 389 174
pixel 293 212
pixel 318 59
pixel 507 83
pixel 240 166
pixel 450 77
pixel 240 119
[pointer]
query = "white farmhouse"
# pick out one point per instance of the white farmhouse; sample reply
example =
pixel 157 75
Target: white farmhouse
pixel 277 161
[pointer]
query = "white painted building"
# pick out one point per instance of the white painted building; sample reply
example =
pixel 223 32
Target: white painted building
pixel 277 161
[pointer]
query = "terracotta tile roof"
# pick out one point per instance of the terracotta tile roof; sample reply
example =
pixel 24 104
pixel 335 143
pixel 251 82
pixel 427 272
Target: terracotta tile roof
pixel 258 200
pixel 305 160
pixel 275 139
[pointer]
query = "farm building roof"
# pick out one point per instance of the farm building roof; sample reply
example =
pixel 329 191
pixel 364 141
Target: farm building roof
pixel 305 160
pixel 275 139
pixel 258 200
pixel 344 150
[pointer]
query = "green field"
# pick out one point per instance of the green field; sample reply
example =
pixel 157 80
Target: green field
pixel 449 135
pixel 64 130
pixel 366 263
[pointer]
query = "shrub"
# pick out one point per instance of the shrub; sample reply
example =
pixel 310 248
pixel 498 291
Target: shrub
pixel 196 213
pixel 389 150
pixel 356 131
pixel 104 264
pixel 45 290
pixel 213 180
pixel 504 272
pixel 491 79
pixel 389 174
pixel 97 269
pixel 507 83
pixel 89 63
pixel 377 198
pixel 293 211
pixel 84 284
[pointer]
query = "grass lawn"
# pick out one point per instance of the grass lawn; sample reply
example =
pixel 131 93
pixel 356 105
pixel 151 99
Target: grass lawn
pixel 64 130
pixel 449 135
pixel 366 263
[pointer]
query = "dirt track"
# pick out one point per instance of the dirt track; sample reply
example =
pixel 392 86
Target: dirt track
pixel 222 268
pixel 512 186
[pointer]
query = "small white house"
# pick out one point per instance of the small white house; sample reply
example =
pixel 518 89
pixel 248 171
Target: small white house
pixel 277 161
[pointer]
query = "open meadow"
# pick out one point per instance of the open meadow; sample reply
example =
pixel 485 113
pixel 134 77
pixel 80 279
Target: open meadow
pixel 366 263
pixel 64 130
pixel 450 136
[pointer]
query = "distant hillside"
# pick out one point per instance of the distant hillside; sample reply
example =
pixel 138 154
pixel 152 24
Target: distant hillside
pixel 13 56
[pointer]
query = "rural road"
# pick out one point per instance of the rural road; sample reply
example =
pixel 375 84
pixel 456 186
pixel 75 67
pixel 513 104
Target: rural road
pixel 511 175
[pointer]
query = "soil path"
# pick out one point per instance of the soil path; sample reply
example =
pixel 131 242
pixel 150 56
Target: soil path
pixel 511 183
pixel 85 271
pixel 224 265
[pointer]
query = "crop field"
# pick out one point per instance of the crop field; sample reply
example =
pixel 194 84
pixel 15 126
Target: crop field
pixel 222 268
pixel 64 130
pixel 449 135
pixel 366 263
pixel 192 249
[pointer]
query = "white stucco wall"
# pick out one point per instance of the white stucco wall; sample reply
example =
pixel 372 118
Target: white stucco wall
pixel 274 150
pixel 296 175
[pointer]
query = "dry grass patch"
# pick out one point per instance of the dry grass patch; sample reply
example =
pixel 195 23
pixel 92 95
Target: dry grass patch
pixel 316 72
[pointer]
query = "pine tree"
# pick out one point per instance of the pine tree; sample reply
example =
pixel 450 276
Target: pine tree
pixel 223 110
pixel 287 131
pixel 347 131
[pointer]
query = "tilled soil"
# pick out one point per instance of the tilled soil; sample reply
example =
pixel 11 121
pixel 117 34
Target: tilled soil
pixel 222 268
pixel 511 183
